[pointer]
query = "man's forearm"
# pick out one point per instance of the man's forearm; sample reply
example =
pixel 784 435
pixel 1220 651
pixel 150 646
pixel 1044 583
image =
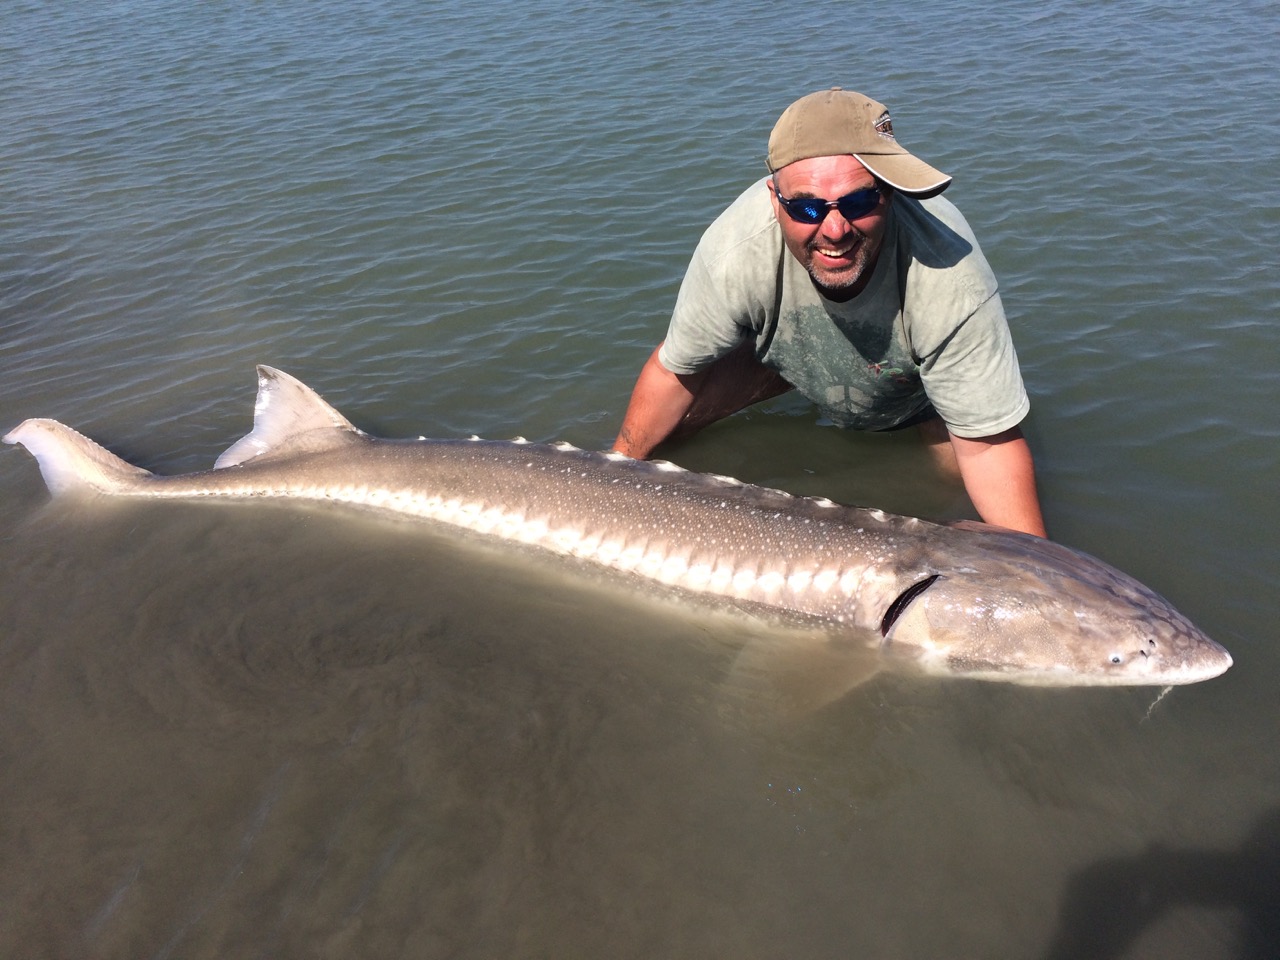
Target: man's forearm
pixel 658 404
pixel 999 477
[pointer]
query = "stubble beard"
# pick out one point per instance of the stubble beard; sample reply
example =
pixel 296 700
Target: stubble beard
pixel 846 282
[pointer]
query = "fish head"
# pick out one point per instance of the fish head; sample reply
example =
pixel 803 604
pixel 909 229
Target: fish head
pixel 1024 610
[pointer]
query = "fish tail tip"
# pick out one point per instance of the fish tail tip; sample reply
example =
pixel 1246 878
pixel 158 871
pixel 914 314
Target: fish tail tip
pixel 28 430
pixel 71 461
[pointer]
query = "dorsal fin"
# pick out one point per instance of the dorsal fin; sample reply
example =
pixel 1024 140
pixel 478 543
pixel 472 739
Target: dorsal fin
pixel 288 416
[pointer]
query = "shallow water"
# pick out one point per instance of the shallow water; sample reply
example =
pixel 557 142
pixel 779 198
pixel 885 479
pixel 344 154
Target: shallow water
pixel 259 732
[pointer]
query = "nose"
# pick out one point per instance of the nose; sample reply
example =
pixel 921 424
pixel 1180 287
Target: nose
pixel 834 224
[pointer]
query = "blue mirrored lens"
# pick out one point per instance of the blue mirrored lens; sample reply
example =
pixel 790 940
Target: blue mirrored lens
pixel 813 210
pixel 809 211
pixel 859 204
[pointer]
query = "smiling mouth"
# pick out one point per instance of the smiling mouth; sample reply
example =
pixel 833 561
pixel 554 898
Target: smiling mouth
pixel 834 253
pixel 842 252
pixel 837 247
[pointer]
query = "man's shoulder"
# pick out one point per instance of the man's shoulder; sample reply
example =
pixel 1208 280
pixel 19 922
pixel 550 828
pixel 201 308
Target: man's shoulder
pixel 945 281
pixel 934 231
pixel 944 273
pixel 744 233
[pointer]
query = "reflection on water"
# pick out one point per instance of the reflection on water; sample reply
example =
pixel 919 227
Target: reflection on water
pixel 1115 903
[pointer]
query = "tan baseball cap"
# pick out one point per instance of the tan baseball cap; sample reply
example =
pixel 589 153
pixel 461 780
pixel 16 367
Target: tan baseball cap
pixel 833 122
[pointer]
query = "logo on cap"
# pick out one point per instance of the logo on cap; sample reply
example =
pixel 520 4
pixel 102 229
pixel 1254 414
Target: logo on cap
pixel 884 127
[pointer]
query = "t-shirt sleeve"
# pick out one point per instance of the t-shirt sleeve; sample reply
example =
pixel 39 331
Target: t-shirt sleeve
pixel 730 289
pixel 706 323
pixel 972 377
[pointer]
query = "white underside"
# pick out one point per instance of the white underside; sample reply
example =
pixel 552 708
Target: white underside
pixel 653 561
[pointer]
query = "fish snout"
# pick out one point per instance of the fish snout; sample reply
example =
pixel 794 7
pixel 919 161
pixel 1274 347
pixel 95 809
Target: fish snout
pixel 1155 644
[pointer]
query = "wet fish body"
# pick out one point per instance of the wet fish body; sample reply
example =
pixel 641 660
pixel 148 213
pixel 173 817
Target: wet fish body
pixel 961 599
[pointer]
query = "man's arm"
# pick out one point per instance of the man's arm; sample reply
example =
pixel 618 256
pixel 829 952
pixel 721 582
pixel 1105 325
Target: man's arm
pixel 1000 478
pixel 658 404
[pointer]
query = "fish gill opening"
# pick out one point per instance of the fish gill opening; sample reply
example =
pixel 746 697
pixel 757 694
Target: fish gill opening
pixel 899 606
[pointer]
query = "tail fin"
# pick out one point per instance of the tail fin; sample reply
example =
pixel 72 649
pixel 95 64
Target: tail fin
pixel 70 461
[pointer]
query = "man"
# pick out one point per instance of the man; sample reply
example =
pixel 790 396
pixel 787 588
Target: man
pixel 844 275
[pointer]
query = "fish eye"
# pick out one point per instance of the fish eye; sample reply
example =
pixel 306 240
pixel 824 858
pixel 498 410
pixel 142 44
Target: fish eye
pixel 1116 658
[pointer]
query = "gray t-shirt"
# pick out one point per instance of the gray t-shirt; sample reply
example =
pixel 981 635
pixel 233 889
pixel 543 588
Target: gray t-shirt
pixel 928 328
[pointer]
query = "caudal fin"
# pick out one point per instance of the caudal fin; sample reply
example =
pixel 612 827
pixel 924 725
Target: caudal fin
pixel 71 461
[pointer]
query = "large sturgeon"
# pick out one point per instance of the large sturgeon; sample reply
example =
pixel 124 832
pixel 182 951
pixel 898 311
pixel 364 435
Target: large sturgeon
pixel 959 599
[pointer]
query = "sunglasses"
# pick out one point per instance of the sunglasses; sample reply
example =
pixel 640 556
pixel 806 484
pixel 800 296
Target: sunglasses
pixel 814 210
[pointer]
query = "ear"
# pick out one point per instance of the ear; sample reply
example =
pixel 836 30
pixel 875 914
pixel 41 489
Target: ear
pixel 772 187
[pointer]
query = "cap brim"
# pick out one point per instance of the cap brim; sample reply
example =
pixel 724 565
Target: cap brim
pixel 906 174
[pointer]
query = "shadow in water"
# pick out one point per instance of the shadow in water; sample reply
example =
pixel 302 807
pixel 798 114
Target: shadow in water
pixel 1110 904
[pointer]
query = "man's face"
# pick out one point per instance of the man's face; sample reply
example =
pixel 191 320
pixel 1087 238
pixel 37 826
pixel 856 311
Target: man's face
pixel 838 253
